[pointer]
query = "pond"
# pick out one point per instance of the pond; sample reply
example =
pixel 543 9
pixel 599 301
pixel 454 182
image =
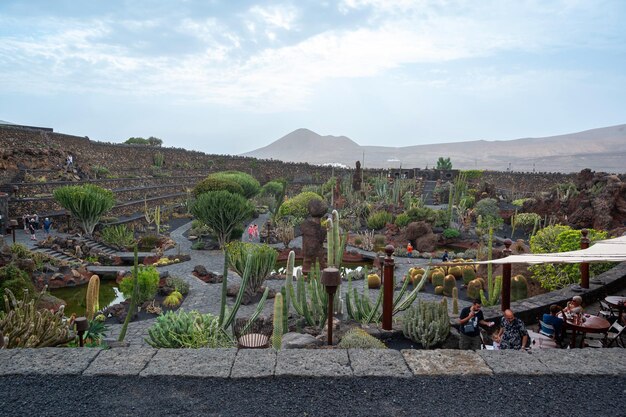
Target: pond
pixel 75 297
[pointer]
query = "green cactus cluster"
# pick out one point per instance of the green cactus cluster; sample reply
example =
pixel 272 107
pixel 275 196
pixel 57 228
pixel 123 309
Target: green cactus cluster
pixel 494 285
pixel 24 326
pixel 259 259
pixel 427 323
pixel 309 297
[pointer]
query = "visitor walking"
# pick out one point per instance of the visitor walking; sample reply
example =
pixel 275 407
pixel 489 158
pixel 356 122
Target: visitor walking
pixel 469 320
pixel 256 231
pixel 409 251
pixel 46 225
pixel 445 257
pixel 25 220
pixel 32 229
pixel 250 232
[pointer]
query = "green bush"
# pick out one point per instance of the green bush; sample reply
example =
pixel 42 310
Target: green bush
pixel 402 220
pixel 188 330
pixel 473 174
pixel 526 221
pixel 520 201
pixel 297 206
pixel 19 251
pixel 86 202
pixel 16 280
pixel 217 184
pixel 356 338
pixel 248 183
pixel 422 214
pixel 148 242
pixel 119 235
pixel 273 188
pixel 379 219
pixel 451 233
pixel 148 279
pixel 222 212
pixel 560 238
pixel 489 212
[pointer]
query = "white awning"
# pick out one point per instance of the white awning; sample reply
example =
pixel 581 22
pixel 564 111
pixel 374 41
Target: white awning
pixel 609 250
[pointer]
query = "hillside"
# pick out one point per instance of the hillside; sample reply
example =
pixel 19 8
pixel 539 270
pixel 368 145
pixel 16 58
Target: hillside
pixel 602 149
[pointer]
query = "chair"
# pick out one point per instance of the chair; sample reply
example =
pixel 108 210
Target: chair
pixel 546 329
pixel 610 337
pixel 607 311
pixel 483 345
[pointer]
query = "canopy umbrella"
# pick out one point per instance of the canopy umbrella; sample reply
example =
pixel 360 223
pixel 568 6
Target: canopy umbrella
pixel 608 250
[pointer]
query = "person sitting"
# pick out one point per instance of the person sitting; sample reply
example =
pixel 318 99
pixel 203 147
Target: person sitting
pixel 574 306
pixel 553 320
pixel 512 333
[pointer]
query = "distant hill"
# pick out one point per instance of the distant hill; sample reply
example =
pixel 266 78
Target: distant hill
pixel 602 149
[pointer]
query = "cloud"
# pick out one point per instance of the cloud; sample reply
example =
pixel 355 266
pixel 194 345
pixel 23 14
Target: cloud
pixel 229 65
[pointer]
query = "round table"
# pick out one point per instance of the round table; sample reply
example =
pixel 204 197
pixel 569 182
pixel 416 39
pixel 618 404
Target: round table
pixel 592 324
pixel 618 302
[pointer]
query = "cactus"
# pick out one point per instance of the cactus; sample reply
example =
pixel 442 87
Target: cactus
pixel 361 308
pixel 173 300
pixel 427 323
pixel 494 286
pixel 309 298
pixel 373 281
pixel 455 301
pixel 93 293
pixel 23 326
pixel 519 288
pixel 356 338
pixel 260 259
pixel 277 334
pixel 439 290
pixel 133 300
pixel 456 271
pixel 474 288
pixel 188 330
pixel 335 244
pixel 449 283
pixel 468 274
pixel 438 278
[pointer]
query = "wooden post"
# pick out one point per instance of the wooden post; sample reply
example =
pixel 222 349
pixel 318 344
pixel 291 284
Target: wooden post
pixel 506 278
pixel 584 266
pixel 388 288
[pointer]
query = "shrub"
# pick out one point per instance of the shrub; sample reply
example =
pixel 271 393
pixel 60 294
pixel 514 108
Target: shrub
pixel 149 242
pixel 222 212
pixel 415 230
pixel 297 206
pixel 261 258
pixel 14 279
pixel 560 238
pixel 173 300
pixel 356 338
pixel 19 251
pixel 451 233
pixel 402 220
pixel 273 188
pixel 100 172
pixel 188 330
pixel 379 219
pixel 178 284
pixel 422 214
pixel 217 184
pixel 148 280
pixel 521 201
pixel 488 210
pixel 526 221
pixel 86 202
pixel 247 182
pixel 118 235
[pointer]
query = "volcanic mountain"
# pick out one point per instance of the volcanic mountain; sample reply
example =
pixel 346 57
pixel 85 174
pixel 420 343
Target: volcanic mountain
pixel 602 149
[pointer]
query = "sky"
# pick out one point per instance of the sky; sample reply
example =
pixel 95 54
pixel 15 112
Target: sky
pixel 228 77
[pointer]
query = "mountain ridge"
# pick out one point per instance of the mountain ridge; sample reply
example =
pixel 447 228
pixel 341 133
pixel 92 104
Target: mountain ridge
pixel 602 149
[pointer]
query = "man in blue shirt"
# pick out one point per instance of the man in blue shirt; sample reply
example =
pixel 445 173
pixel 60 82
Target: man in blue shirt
pixel 555 321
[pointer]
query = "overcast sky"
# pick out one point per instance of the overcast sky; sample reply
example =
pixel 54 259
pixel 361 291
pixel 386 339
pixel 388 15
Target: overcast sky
pixel 232 76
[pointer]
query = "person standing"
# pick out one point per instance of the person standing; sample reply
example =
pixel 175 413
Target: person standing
pixel 409 250
pixel 512 333
pixel 469 320
pixel 250 232
pixel 46 225
pixel 255 229
pixel 445 257
pixel 32 229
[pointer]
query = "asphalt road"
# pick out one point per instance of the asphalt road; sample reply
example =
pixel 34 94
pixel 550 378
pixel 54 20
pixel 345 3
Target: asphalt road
pixel 584 396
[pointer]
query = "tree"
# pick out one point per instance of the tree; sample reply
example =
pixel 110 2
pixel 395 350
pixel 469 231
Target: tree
pixel 86 202
pixel 444 163
pixel 222 212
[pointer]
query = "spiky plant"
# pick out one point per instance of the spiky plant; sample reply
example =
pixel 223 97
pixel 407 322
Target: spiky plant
pixel 86 202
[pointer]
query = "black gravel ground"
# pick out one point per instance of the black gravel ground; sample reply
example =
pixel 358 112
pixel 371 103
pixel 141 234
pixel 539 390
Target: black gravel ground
pixel 429 396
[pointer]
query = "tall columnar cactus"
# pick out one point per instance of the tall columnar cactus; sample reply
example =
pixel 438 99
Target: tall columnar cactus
pixel 93 293
pixel 449 283
pixel 133 300
pixel 427 323
pixel 494 286
pixel 455 301
pixel 153 216
pixel 519 288
pixel 277 334
pixel 24 326
pixel 309 298
pixel 335 244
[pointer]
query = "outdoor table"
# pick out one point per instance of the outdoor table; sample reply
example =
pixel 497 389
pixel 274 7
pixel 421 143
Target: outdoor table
pixel 592 324
pixel 618 302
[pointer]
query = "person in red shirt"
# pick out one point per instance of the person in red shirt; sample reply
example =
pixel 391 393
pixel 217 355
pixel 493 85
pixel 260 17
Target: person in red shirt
pixel 409 250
